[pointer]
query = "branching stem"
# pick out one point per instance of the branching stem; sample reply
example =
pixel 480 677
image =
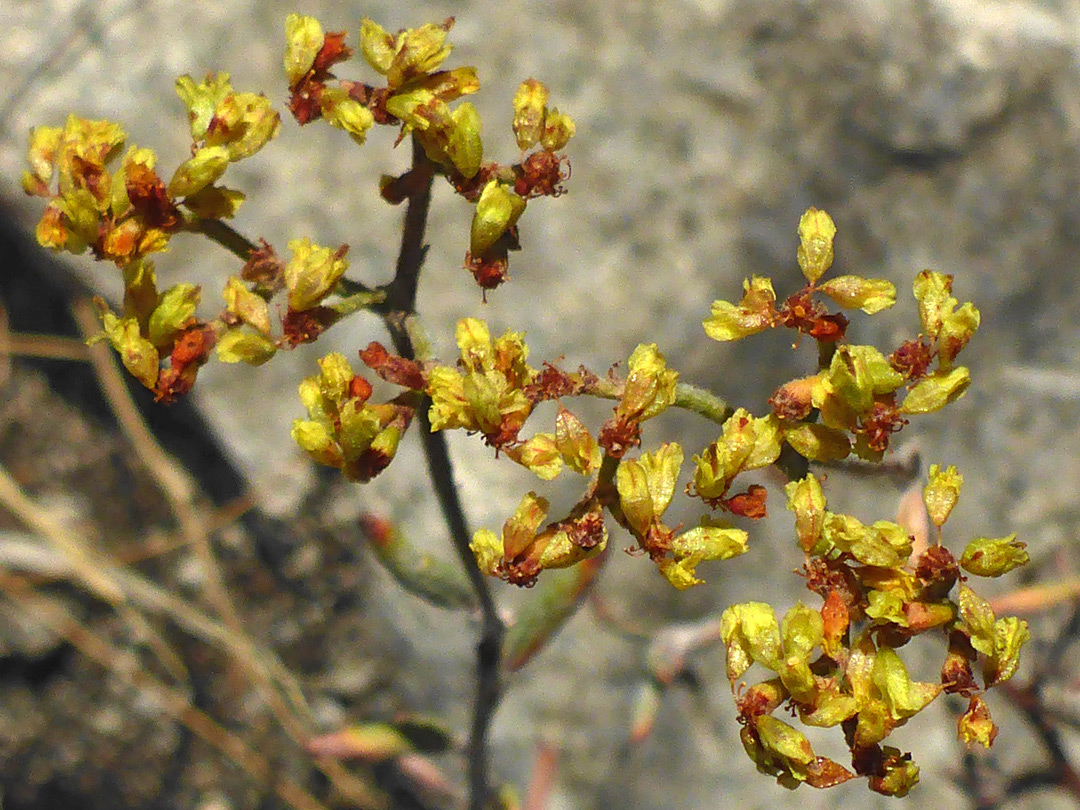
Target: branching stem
pixel 400 304
pixel 225 235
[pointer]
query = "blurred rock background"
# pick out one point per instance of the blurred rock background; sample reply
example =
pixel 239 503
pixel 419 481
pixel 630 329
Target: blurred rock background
pixel 939 134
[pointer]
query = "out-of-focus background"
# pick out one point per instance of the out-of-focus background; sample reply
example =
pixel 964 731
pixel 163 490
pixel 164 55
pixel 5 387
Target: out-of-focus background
pixel 940 134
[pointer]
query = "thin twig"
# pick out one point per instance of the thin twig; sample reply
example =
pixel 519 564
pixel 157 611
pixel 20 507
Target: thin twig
pixel 401 303
pixel 225 235
pixel 1028 700
pixel 91 571
pixel 174 701
pixel 5 345
pixel 32 557
pixel 173 482
pixel 48 347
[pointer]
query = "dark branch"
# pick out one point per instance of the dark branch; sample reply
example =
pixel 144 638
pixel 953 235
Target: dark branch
pixel 401 303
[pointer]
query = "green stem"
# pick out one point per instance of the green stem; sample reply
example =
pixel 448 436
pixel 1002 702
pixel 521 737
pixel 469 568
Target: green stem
pixel 702 402
pixel 688 397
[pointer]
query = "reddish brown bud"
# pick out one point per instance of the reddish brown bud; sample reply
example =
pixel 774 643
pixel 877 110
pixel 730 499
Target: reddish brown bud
pixel 393 369
pixel 265 269
pixel 829 327
pixel 937 570
pixel 749 504
pixel 835 619
pixel 359 389
pixel 189 352
pixel 793 401
pixel 588 531
pixel 824 773
pixel 956 674
pixel 333 50
pixel 148 197
pixel 489 270
pixel 617 436
pixel 884 420
pixel 912 359
pixel 552 383
pixel 306 325
pixel 541 175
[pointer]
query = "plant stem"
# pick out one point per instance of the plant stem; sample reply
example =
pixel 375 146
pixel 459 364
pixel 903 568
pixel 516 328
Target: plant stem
pixel 400 304
pixel 225 235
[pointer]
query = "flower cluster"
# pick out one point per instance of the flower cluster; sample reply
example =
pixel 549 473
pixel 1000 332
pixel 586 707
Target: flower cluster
pixel 856 393
pixel 838 665
pixel 834 666
pixel 343 428
pixel 114 202
pixel 493 391
pixel 125 212
pixel 416 96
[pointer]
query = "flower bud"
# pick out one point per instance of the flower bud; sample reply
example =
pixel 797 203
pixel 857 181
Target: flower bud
pixel 312 273
pixel 704 542
pixel 465 148
pixel 646 485
pixel 335 377
pixel 497 210
pixel 817 442
pixel 240 346
pixel 755 313
pixel 519 531
pixel 245 305
pixel 747 443
pixel 202 100
pixel 751 634
pixel 540 454
pixel 530 106
pixel 806 500
pixel 558 130
pixel 407 55
pixel 1010 634
pixel 199 171
pixel 933 291
pixel 304 38
pixel 41 154
pixel 650 384
pixel 174 312
pixel 975 725
pixel 992 557
pixel 316 439
pixel 346 113
pixel 871 295
pixel 957 328
pixel 215 202
pixel 576 445
pixel 942 493
pixel 936 391
pixel 488 550
pixel 815 253
pixel 244 123
pixel 137 353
